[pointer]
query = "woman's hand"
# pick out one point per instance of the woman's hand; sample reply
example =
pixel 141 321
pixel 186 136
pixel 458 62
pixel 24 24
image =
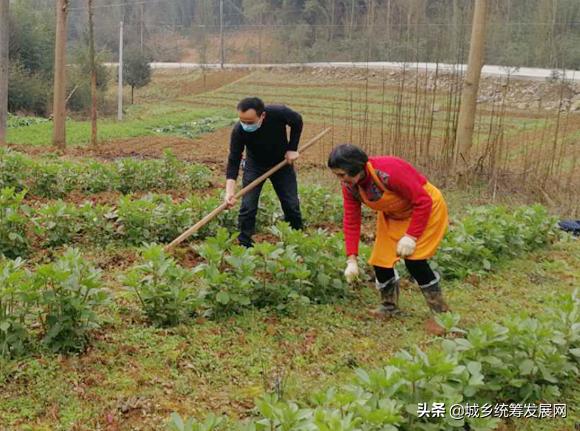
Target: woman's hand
pixel 406 246
pixel 351 272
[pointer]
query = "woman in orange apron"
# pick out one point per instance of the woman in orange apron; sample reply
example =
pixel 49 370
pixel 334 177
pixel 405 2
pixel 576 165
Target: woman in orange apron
pixel 411 222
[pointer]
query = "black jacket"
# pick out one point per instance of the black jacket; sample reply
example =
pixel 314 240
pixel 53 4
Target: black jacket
pixel 266 146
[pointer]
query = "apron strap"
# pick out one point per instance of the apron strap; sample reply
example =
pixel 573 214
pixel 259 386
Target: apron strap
pixel 375 177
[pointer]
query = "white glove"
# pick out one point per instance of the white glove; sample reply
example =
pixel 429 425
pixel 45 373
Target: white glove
pixel 351 271
pixel 406 246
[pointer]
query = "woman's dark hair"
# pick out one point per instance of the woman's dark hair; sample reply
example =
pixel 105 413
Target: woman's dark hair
pixel 349 158
pixel 254 103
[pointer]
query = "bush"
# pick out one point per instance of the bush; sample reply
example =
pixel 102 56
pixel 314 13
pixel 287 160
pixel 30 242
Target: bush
pixel 27 91
pixel 32 35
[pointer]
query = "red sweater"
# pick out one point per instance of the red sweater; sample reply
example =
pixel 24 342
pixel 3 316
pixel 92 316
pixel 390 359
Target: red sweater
pixel 398 176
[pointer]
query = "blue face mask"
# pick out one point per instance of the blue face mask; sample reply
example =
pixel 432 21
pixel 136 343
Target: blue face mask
pixel 250 127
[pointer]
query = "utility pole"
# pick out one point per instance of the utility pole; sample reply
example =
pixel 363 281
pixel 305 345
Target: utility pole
pixel 4 35
pixel 120 87
pixel 93 77
pixel 222 33
pixel 351 20
pixel 142 24
pixel 59 97
pixel 467 109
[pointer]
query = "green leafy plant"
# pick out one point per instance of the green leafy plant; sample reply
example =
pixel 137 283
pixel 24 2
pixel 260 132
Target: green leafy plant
pixel 211 423
pixel 449 322
pixel 14 217
pixel 226 276
pixel 166 291
pixel 51 177
pixel 16 299
pixel 15 121
pixel 58 223
pixel 490 234
pixel 96 177
pixel 191 129
pixel 321 255
pixel 70 292
pixel 153 218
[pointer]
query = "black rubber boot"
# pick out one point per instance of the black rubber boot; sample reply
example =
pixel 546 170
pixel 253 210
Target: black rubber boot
pixel 389 292
pixel 434 297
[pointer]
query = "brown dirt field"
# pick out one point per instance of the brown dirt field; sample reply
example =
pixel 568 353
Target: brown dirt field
pixel 210 149
pixel 211 81
pixel 189 83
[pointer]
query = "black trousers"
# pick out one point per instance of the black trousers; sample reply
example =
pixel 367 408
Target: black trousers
pixel 285 186
pixel 419 270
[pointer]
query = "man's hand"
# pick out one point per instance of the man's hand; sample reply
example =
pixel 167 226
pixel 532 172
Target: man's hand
pixel 291 156
pixel 351 272
pixel 230 200
pixel 230 196
pixel 406 246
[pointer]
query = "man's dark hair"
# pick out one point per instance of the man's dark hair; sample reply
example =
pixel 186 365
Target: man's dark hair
pixel 349 158
pixel 254 103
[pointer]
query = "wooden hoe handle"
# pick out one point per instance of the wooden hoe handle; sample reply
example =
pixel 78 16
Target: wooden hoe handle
pixel 193 229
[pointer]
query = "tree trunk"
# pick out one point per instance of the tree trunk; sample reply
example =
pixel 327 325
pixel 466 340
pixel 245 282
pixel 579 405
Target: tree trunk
pixel 4 35
pixel 332 19
pixel 351 20
pixel 132 92
pixel 93 77
pixel 120 79
pixel 388 30
pixel 370 25
pixel 467 107
pixel 455 34
pixel 142 25
pixel 59 102
pixel 222 55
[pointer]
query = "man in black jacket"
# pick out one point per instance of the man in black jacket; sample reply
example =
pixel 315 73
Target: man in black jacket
pixel 261 131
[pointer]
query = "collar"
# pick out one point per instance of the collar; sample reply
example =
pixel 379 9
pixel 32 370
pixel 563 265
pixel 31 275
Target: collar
pixel 368 179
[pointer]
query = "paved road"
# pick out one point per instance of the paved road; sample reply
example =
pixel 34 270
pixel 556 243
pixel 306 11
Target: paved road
pixel 527 73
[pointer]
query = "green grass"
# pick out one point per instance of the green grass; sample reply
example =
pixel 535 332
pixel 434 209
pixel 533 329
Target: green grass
pixel 139 122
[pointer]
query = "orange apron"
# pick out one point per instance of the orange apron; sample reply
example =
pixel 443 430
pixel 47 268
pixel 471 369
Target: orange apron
pixel 393 219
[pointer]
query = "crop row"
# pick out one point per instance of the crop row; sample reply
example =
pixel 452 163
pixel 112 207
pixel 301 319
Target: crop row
pixel 294 268
pixel 133 221
pixel 55 178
